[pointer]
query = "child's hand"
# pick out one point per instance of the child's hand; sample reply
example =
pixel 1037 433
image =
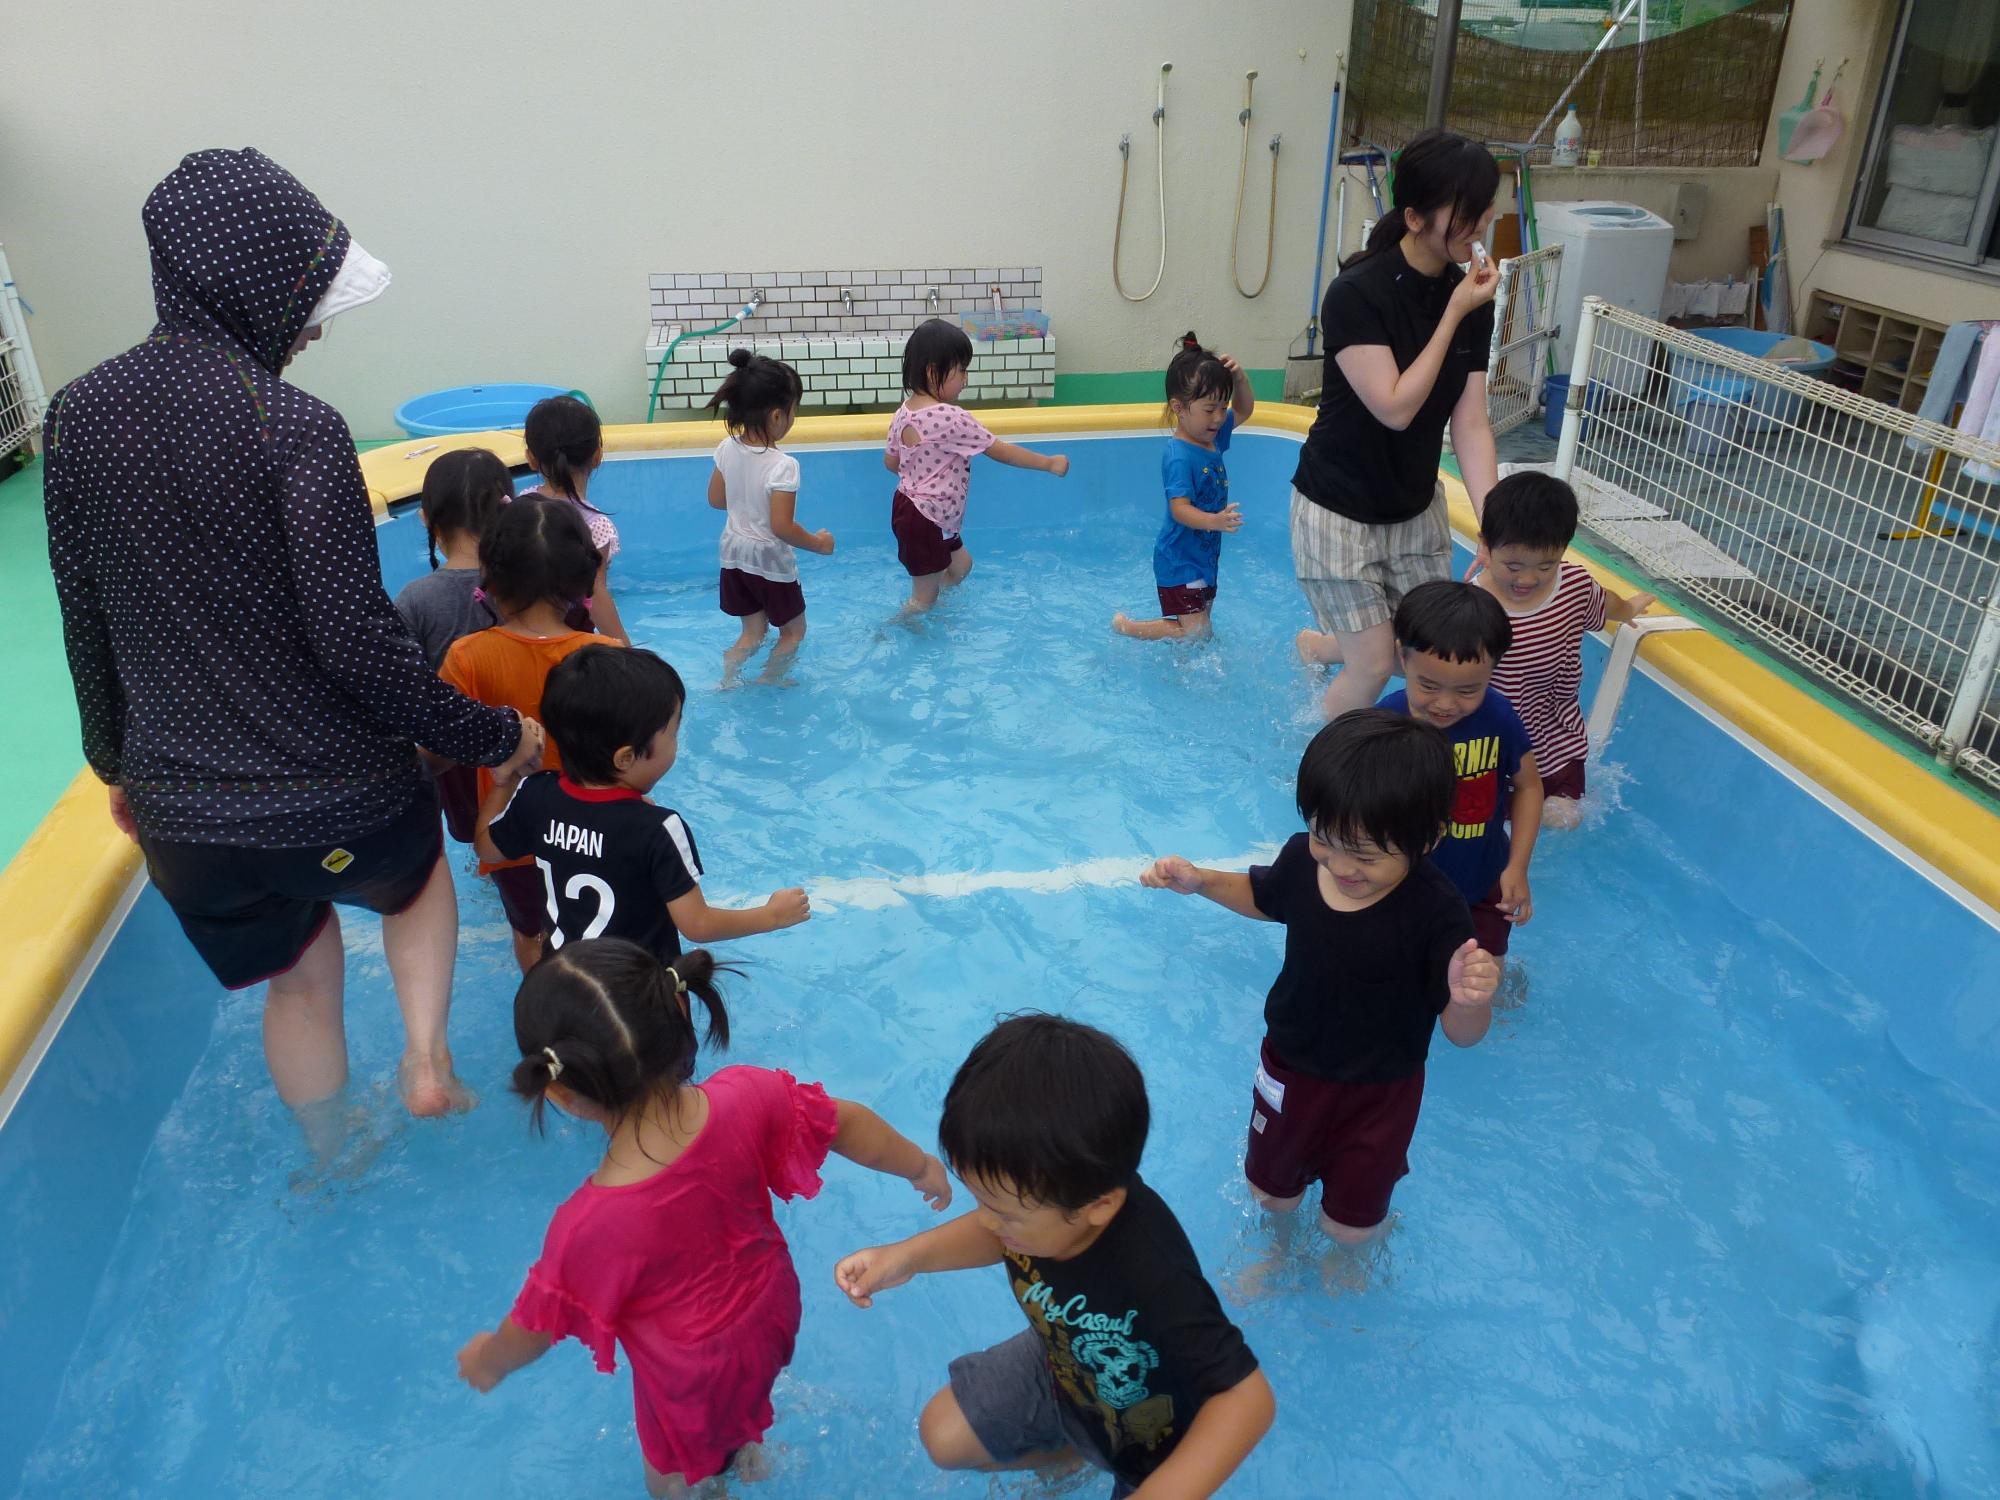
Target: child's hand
pixel 932 1182
pixel 1172 874
pixel 787 908
pixel 1473 976
pixel 823 542
pixel 1059 464
pixel 1637 605
pixel 1229 518
pixel 474 1368
pixel 1229 363
pixel 527 754
pixel 866 1272
pixel 1514 898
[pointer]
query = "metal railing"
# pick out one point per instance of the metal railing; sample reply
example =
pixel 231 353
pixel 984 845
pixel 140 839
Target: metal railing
pixel 1855 539
pixel 22 400
pixel 1524 311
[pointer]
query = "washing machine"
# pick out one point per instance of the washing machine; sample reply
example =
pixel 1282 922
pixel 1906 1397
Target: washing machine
pixel 1617 251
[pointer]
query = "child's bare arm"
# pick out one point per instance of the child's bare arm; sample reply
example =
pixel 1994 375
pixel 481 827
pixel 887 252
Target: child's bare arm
pixel 1473 976
pixel 1027 458
pixel 1229 889
pixel 1192 516
pixel 526 757
pixel 957 1246
pixel 1243 399
pixel 785 526
pixel 868 1140
pixel 1616 608
pixel 718 492
pixel 699 922
pixel 1524 818
pixel 489 1358
pixel 1219 1438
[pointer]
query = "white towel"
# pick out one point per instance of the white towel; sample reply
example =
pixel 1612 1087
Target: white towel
pixel 361 278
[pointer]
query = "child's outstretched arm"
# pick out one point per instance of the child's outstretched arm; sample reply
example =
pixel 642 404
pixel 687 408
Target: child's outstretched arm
pixel 1473 976
pixel 489 1358
pixel 526 758
pixel 699 922
pixel 1524 818
pixel 1219 1438
pixel 1027 458
pixel 1229 889
pixel 718 492
pixel 957 1246
pixel 1616 608
pixel 785 526
pixel 868 1140
pixel 1243 400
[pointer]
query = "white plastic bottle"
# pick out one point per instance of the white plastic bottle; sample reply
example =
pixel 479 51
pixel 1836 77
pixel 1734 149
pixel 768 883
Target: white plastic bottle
pixel 1569 140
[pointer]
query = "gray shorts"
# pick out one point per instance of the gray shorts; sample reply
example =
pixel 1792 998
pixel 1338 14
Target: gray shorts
pixel 1009 1400
pixel 1354 574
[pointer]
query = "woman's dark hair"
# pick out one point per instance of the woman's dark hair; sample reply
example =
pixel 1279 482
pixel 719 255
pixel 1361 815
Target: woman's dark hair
pixel 463 490
pixel 1437 169
pixel 1380 776
pixel 755 391
pixel 1195 372
pixel 600 699
pixel 1529 509
pixel 563 437
pixel 933 352
pixel 537 550
pixel 1458 622
pixel 606 1018
pixel 1052 1109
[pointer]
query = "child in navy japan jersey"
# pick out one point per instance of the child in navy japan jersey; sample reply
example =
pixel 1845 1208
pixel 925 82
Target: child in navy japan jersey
pixel 613 863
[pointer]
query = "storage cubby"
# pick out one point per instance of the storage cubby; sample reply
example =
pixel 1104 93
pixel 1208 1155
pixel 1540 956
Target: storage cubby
pixel 1877 351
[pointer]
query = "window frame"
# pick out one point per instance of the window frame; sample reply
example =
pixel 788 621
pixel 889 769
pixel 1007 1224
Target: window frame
pixel 1971 255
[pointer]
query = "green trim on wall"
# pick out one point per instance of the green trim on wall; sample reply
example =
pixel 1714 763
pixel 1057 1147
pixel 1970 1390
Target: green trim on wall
pixel 1114 388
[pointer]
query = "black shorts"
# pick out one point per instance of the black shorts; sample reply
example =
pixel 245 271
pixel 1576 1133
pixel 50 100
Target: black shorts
pixel 748 594
pixel 921 545
pixel 252 913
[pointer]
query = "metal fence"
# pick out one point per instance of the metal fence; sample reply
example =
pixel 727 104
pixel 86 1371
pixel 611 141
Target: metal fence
pixel 22 400
pixel 1856 539
pixel 1524 311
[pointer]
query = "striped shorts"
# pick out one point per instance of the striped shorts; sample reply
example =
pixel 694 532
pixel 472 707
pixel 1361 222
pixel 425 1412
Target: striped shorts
pixel 1353 574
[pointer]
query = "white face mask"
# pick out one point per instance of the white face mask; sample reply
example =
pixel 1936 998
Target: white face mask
pixel 361 279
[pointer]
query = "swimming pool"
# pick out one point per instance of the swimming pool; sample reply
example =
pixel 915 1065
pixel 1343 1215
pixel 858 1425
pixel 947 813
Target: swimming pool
pixel 1717 1210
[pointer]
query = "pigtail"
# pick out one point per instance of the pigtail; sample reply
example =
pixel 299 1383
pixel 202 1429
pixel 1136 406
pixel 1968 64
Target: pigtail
pixel 693 973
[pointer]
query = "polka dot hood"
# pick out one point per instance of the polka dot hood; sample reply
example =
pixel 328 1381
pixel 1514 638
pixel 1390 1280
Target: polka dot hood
pixel 238 667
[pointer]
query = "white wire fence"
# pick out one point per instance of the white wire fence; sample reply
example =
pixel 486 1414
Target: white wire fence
pixel 22 400
pixel 1857 540
pixel 1524 325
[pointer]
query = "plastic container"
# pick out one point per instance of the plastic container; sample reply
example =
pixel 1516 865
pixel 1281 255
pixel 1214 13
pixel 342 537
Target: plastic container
pixel 1718 404
pixel 1569 140
pixel 1555 398
pixel 472 408
pixel 1012 323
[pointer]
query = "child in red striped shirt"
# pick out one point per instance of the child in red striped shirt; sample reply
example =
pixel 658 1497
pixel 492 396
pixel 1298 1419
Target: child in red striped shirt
pixel 1528 523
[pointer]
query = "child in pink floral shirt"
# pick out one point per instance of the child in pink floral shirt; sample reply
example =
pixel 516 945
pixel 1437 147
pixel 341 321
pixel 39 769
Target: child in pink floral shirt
pixel 930 450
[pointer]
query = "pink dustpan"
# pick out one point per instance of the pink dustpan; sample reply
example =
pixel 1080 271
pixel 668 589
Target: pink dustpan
pixel 1818 131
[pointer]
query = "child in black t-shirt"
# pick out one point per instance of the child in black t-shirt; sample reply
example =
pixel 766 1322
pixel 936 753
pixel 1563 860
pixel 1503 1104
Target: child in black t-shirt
pixel 1378 946
pixel 1128 1360
pixel 615 865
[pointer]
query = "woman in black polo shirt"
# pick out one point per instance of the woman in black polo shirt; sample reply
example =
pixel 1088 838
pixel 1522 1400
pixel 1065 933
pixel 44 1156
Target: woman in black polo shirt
pixel 1406 340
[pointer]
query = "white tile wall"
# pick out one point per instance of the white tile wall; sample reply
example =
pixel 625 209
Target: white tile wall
pixel 851 359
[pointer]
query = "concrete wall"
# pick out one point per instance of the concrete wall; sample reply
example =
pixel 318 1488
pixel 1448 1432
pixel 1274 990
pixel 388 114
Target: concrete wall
pixel 522 167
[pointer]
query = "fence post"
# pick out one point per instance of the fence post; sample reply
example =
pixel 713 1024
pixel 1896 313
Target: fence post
pixel 1579 388
pixel 1973 682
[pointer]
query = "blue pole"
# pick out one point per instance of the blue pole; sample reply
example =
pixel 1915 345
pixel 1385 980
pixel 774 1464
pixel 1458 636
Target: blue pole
pixel 1325 197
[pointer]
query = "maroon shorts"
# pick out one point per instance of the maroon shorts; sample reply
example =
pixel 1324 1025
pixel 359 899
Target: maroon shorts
pixel 524 896
pixel 1489 922
pixel 458 790
pixel 747 594
pixel 1353 1138
pixel 1567 782
pixel 921 545
pixel 1185 599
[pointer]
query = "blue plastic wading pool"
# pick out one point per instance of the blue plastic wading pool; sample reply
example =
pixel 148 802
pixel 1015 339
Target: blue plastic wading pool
pixel 1715 1210
pixel 471 408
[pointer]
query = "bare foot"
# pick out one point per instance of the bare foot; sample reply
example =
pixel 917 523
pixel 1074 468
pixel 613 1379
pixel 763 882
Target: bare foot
pixel 1318 649
pixel 1561 812
pixel 752 1465
pixel 431 1089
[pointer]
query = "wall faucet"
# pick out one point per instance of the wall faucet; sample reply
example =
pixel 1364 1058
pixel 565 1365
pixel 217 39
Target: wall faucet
pixel 847 300
pixel 931 297
pixel 756 301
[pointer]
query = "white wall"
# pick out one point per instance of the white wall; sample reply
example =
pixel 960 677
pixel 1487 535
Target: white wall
pixel 522 167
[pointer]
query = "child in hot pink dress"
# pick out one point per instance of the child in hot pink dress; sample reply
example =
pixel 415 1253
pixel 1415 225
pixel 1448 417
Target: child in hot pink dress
pixel 930 450
pixel 669 1248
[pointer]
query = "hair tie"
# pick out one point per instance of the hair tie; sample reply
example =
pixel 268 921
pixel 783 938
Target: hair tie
pixel 680 984
pixel 479 595
pixel 555 1063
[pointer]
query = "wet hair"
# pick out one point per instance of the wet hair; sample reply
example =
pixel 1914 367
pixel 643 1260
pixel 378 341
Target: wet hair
pixel 1458 622
pixel 1195 372
pixel 600 699
pixel 1437 169
pixel 463 491
pixel 933 352
pixel 563 437
pixel 605 1017
pixel 1529 509
pixel 758 389
pixel 1380 776
pixel 537 550
pixel 1053 1109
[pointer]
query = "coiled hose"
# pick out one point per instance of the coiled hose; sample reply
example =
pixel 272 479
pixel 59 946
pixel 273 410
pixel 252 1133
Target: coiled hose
pixel 1124 170
pixel 1242 181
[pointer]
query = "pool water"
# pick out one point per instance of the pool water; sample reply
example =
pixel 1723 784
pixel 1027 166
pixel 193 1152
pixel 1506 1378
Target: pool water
pixel 1701 1215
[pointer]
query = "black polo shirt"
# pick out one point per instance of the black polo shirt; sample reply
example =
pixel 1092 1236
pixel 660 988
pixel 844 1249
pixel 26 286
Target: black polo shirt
pixel 1350 462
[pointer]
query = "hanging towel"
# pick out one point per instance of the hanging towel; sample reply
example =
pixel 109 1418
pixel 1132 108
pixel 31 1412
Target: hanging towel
pixel 1955 360
pixel 1981 417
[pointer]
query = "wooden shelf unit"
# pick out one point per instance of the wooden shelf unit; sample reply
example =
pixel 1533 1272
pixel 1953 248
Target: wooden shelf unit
pixel 1878 352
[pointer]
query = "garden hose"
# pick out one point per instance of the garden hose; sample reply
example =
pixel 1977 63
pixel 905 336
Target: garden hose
pixel 1124 170
pixel 1242 179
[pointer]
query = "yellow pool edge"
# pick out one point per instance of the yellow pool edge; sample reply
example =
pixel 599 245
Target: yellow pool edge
pixel 63 885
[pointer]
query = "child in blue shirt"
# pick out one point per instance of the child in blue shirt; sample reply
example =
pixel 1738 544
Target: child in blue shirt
pixel 1449 637
pixel 1208 395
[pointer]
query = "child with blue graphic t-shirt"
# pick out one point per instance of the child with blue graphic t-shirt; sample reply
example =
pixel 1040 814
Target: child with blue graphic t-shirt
pixel 1449 637
pixel 1208 396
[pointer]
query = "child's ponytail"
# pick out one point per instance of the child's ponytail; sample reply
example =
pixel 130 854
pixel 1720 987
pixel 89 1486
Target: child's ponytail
pixel 754 392
pixel 564 438
pixel 1195 372
pixel 693 973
